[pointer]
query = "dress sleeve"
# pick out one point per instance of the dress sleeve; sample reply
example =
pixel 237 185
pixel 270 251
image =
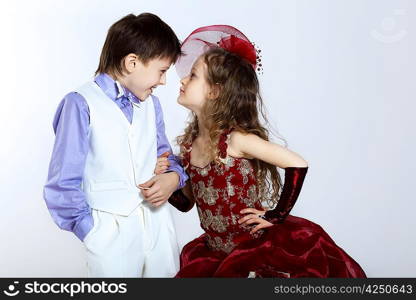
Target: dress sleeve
pixel 223 143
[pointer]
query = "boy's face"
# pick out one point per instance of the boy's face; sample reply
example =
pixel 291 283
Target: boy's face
pixel 142 79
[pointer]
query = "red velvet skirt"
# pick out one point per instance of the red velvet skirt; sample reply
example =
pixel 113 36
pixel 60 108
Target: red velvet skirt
pixel 295 248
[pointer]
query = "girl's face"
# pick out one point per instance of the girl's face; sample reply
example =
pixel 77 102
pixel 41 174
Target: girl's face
pixel 194 88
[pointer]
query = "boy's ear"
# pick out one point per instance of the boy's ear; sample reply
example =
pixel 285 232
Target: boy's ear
pixel 130 62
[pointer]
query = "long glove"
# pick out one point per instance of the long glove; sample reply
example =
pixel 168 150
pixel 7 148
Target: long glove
pixel 180 201
pixel 294 177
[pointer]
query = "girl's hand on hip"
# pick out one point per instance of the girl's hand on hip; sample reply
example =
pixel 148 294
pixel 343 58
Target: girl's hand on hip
pixel 253 216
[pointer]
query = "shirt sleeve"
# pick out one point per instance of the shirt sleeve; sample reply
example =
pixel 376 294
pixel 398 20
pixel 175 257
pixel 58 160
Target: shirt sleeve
pixel 163 145
pixel 63 194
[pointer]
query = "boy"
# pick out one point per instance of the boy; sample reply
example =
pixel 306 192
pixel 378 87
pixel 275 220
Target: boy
pixel 109 133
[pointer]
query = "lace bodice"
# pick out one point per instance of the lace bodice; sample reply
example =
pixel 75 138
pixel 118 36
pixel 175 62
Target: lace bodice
pixel 221 191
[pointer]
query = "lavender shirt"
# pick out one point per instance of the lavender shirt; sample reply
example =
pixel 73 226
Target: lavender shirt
pixel 63 194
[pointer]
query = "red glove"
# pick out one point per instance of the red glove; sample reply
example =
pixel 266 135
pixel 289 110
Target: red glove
pixel 294 177
pixel 180 201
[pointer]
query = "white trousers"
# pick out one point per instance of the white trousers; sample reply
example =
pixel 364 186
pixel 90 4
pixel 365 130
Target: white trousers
pixel 142 244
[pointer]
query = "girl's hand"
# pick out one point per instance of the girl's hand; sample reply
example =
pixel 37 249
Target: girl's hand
pixel 162 164
pixel 253 217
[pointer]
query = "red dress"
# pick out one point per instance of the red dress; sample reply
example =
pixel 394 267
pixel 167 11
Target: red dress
pixel 295 248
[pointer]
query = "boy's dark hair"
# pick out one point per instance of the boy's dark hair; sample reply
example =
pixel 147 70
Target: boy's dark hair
pixel 145 35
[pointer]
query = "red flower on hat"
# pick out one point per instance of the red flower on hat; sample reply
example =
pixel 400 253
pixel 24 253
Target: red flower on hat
pixel 240 47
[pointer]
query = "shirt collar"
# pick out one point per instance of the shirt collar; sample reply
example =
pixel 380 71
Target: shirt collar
pixel 113 89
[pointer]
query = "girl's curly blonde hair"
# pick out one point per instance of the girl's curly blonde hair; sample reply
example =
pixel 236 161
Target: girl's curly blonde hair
pixel 237 106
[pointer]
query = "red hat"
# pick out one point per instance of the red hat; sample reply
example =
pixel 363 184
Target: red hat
pixel 226 37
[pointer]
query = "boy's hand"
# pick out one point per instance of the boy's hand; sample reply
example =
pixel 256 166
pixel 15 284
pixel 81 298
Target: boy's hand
pixel 159 188
pixel 162 164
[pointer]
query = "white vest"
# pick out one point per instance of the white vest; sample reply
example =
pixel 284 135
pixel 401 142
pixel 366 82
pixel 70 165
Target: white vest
pixel 121 155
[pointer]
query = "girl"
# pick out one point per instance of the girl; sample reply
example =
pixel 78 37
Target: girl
pixel 232 168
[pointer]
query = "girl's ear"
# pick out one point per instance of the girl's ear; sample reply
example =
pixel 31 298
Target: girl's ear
pixel 214 92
